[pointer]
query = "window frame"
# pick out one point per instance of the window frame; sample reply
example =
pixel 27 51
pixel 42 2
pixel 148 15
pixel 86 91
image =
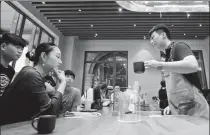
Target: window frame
pixel 114 68
pixel 26 17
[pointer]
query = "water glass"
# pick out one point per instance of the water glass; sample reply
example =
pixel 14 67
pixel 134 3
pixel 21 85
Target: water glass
pixel 129 107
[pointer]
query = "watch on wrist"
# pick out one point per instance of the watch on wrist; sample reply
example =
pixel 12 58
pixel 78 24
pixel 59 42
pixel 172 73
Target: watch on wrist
pixel 160 67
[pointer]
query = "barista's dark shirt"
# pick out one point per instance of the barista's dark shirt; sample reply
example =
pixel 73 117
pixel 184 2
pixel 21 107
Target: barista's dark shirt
pixel 179 52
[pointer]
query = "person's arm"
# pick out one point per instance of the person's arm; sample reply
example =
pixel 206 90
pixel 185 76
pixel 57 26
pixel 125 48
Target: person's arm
pixel 77 101
pixel 184 61
pixel 41 98
pixel 188 65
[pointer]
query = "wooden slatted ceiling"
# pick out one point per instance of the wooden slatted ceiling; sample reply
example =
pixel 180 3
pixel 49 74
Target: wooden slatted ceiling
pixel 109 23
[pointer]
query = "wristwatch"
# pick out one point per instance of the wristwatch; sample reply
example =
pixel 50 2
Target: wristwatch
pixel 160 67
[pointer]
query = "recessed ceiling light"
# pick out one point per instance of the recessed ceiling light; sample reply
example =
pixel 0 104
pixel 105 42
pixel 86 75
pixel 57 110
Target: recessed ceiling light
pixel 96 35
pixel 79 10
pixel 134 25
pixel 200 25
pixel 184 34
pixel 195 36
pixel 120 9
pixel 59 20
pixel 188 15
pixel 43 2
pixel 91 25
pixel 150 13
pixel 172 25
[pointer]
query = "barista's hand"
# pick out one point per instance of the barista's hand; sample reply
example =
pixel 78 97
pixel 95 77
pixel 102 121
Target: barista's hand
pixel 151 64
pixel 166 111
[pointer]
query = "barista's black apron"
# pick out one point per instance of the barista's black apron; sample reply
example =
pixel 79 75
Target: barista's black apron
pixel 184 98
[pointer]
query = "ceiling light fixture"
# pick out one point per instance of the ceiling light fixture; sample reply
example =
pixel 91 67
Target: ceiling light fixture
pixel 59 20
pixel 43 2
pixel 134 25
pixel 91 25
pixel 145 37
pixel 184 34
pixel 165 6
pixel 195 36
pixel 120 9
pixel 79 10
pixel 200 25
pixel 188 15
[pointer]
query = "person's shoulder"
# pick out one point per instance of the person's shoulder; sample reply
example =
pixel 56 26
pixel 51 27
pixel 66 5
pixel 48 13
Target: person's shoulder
pixel 75 89
pixel 181 44
pixel 11 69
pixel 30 72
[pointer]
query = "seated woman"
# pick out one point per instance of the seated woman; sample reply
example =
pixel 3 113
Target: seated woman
pixel 105 98
pixel 100 97
pixel 27 97
pixel 89 93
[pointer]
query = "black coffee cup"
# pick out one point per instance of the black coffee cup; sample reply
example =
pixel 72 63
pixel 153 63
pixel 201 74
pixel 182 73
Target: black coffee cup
pixel 139 67
pixel 45 124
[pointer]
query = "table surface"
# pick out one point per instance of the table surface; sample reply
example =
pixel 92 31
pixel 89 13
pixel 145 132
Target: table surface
pixel 108 125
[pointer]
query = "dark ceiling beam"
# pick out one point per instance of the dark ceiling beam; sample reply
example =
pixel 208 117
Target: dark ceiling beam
pixel 60 4
pixel 146 15
pixel 132 31
pixel 122 27
pixel 130 39
pixel 116 12
pixel 139 37
pixel 130 19
pixel 129 23
pixel 129 34
pixel 76 8
pixel 67 19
